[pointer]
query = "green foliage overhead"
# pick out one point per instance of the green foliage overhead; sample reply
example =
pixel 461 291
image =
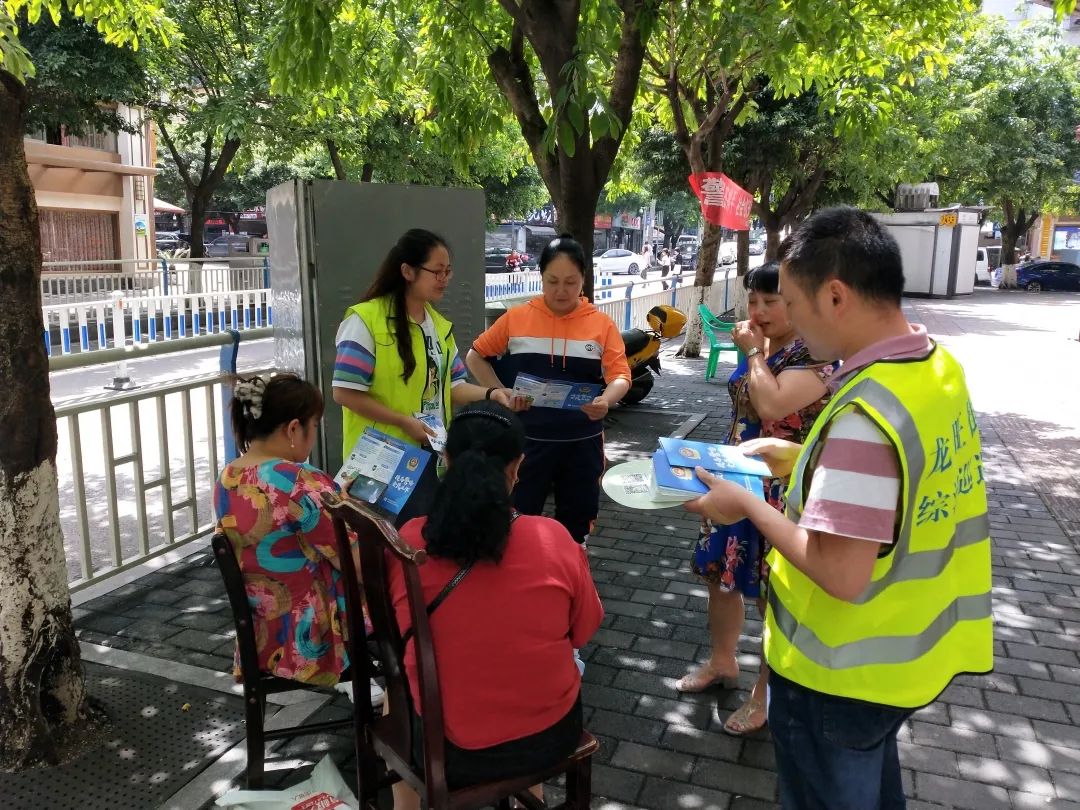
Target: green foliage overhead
pixel 77 75
pixel 120 22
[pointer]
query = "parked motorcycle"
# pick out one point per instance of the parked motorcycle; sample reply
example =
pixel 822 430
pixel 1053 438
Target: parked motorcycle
pixel 643 349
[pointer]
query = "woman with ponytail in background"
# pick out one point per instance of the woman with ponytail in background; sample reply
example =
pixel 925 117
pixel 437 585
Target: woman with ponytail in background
pixel 504 636
pixel 396 355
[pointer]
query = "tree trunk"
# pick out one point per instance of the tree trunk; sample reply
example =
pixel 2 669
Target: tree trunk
pixel 367 172
pixel 772 242
pixel 742 267
pixel 576 208
pixel 42 695
pixel 199 203
pixel 335 159
pixel 703 278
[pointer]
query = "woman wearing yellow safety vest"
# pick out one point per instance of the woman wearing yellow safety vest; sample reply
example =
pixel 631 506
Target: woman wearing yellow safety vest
pixel 397 367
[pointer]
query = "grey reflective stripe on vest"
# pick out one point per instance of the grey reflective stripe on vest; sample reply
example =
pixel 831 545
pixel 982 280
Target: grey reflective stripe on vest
pixel 881 650
pixel 906 565
pixel 929 564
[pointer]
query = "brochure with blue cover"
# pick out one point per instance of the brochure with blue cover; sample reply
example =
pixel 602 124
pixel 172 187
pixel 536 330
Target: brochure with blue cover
pixel 676 483
pixel 719 458
pixel 382 470
pixel 554 393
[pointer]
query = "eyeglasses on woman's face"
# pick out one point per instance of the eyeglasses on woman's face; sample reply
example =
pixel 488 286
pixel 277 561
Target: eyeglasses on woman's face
pixel 441 275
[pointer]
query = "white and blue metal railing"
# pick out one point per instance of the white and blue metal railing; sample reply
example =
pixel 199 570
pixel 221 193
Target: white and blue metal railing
pixel 137 468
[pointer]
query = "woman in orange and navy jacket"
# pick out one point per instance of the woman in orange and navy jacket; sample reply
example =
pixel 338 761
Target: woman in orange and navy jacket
pixel 558 336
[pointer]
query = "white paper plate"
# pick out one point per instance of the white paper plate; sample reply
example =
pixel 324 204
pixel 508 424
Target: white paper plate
pixel 628 485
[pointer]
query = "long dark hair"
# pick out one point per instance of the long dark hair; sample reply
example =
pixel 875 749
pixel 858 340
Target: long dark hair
pixel 413 248
pixel 471 514
pixel 263 403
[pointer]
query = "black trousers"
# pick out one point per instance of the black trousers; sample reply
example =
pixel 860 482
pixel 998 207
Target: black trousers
pixel 572 470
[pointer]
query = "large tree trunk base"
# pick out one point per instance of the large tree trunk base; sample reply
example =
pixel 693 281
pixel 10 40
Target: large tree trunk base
pixel 42 695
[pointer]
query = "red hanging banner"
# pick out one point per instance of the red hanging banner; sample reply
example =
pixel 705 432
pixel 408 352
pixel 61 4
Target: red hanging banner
pixel 723 201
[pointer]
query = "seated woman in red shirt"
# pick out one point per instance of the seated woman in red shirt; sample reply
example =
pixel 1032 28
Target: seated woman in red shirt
pixel 504 637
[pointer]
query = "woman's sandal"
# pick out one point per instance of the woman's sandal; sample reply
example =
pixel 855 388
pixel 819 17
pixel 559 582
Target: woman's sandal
pixel 704 678
pixel 740 724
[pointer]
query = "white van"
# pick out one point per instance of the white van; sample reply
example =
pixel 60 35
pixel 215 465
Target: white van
pixel 982 267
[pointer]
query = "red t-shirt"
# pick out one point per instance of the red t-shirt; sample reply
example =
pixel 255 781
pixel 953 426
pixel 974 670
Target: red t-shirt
pixel 504 637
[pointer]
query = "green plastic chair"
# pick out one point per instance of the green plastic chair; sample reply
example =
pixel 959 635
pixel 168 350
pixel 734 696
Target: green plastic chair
pixel 719 334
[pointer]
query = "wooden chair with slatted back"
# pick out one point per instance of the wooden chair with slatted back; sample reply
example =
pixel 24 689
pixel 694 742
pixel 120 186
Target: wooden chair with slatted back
pixel 388 739
pixel 258 684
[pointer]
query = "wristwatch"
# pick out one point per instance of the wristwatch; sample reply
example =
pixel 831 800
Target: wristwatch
pixel 751 352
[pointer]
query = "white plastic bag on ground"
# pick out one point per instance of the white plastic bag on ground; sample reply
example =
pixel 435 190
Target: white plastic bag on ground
pixel 323 790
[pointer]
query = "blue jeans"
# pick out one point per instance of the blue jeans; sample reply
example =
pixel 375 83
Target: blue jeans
pixel 833 753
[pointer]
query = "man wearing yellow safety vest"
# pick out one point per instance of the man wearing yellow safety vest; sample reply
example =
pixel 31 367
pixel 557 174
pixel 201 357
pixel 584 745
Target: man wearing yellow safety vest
pixel 879 593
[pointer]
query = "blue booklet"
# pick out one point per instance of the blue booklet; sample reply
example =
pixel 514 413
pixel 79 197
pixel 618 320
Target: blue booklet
pixel 677 483
pixel 554 393
pixel 382 470
pixel 718 458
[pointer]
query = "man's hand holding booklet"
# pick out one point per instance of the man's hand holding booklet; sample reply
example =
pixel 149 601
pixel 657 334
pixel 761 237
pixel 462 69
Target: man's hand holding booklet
pixel 669 479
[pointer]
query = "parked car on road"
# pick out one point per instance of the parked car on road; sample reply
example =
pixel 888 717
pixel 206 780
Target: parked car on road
pixel 168 241
pixel 1048 275
pixel 618 260
pixel 757 247
pixel 227 244
pixel 727 253
pixel 495 261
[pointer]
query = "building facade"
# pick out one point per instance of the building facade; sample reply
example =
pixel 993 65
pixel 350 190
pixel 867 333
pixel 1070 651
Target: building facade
pixel 95 193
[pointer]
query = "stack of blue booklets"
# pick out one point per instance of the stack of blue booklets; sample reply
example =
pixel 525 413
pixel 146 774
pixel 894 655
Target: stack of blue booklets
pixel 382 470
pixel 673 477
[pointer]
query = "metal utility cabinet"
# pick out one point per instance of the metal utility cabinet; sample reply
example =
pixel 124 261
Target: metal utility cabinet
pixel 938 247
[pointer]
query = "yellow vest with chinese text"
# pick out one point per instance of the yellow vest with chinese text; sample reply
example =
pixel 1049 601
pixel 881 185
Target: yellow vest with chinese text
pixel 925 617
pixel 387 384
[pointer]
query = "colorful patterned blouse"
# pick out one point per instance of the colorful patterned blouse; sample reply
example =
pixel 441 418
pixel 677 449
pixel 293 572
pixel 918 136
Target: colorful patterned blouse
pixel 284 543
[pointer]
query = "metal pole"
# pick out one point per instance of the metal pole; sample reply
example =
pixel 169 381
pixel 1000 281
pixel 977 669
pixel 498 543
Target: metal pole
pixel 227 365
pixel 629 295
pixel 121 381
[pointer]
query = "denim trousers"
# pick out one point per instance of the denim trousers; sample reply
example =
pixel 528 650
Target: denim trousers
pixel 833 753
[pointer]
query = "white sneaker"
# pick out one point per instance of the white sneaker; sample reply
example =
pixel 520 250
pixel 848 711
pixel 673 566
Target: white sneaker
pixel 377 693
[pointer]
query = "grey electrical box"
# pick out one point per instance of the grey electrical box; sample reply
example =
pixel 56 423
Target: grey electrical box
pixel 329 238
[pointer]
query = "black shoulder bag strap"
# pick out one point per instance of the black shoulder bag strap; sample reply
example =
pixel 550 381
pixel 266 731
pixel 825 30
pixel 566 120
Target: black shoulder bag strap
pixel 445 592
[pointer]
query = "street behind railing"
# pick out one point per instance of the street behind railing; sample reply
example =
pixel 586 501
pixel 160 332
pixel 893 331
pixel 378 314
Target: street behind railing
pixel 151 301
pixel 137 468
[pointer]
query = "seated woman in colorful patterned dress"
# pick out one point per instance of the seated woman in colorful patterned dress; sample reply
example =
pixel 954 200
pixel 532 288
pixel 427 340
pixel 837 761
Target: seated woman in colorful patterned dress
pixel 268 503
pixel 777 391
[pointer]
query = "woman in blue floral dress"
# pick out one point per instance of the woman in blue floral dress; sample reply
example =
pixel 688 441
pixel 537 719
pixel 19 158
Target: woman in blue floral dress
pixel 776 391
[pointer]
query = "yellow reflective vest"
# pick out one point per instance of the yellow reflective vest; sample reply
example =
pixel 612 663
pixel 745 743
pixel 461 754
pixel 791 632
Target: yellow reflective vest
pixel 925 617
pixel 388 385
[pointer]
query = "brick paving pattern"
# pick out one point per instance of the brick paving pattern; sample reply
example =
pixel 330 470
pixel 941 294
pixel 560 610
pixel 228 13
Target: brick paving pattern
pixel 1009 739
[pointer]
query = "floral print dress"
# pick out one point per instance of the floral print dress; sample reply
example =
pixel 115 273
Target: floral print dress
pixel 284 542
pixel 733 557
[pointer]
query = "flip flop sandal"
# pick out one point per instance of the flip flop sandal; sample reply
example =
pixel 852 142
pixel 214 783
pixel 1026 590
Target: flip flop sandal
pixel 739 725
pixel 703 678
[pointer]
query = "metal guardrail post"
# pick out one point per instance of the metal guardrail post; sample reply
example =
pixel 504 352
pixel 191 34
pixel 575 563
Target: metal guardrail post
pixel 629 294
pixel 227 365
pixel 266 272
pixel 674 288
pixel 164 276
pixel 121 381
